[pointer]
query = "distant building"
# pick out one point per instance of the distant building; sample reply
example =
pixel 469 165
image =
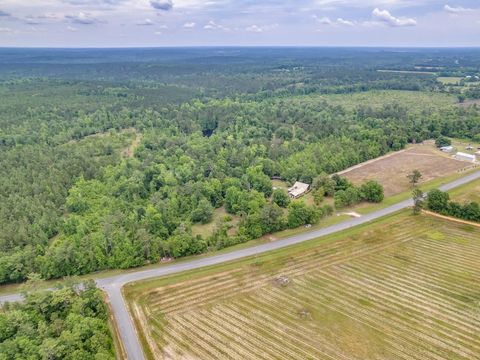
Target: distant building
pixel 465 157
pixel 469 147
pixel 298 189
pixel 446 148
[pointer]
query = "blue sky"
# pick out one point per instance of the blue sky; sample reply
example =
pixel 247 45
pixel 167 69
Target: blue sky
pixel 144 23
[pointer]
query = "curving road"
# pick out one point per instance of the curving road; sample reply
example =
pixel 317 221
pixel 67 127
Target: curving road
pixel 114 284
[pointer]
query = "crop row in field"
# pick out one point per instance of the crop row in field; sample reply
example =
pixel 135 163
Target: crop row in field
pixel 406 290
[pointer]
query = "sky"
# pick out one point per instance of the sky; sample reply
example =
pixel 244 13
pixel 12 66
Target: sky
pixel 157 23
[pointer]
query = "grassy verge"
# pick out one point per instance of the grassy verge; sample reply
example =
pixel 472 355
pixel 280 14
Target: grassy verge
pixel 467 192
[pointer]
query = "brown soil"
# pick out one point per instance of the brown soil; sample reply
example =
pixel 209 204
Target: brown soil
pixel 392 170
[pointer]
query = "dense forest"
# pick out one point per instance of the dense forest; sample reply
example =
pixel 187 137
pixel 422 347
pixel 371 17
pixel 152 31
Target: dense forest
pixel 108 161
pixel 67 324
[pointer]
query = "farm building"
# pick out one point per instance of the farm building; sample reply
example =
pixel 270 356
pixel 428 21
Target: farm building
pixel 298 189
pixel 446 148
pixel 465 157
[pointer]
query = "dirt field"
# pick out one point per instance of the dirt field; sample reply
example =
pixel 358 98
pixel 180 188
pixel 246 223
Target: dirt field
pixel 392 170
pixel 404 289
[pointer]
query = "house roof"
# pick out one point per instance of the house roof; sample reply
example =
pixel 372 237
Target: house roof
pixel 467 156
pixel 298 188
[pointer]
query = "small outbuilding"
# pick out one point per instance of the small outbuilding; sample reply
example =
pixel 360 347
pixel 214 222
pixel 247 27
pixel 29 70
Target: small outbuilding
pixel 446 148
pixel 298 189
pixel 465 157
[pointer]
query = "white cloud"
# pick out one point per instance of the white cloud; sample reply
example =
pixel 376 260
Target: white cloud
pixel 189 25
pixel 260 29
pixel 71 28
pixel 212 25
pixel 82 19
pixel 158 33
pixel 456 9
pixel 324 20
pixel 341 21
pixel 358 4
pixel 6 30
pixel 338 22
pixel 254 28
pixel 146 22
pixel 389 19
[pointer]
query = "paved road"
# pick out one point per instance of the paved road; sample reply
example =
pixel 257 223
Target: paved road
pixel 114 284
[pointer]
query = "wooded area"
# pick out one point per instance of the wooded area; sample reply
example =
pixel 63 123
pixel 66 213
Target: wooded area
pixel 213 131
pixel 67 324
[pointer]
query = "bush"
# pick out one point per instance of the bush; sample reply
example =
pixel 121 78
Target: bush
pixel 438 201
pixel 203 213
pixel 442 141
pixel 348 197
pixel 372 191
pixel 318 196
pixel 301 214
pixel 281 198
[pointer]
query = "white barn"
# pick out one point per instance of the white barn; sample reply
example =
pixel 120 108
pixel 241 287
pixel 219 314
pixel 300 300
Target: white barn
pixel 446 148
pixel 298 189
pixel 465 157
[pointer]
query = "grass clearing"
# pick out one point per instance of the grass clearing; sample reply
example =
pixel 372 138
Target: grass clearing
pixel 467 192
pixel 404 287
pixel 449 80
pixel 392 170
pixel 219 216
pixel 417 100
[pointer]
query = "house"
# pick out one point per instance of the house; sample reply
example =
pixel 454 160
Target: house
pixel 446 148
pixel 298 189
pixel 469 147
pixel 465 157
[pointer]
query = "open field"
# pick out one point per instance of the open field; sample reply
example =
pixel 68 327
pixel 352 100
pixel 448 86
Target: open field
pixel 404 288
pixel 416 100
pixel 449 80
pixel 407 72
pixel 468 192
pixel 392 170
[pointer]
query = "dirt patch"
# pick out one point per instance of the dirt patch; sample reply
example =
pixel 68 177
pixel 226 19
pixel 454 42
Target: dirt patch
pixel 281 281
pixel 351 214
pixel 392 170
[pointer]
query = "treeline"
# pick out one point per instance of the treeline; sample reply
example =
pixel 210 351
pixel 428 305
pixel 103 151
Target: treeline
pixel 68 324
pixel 440 202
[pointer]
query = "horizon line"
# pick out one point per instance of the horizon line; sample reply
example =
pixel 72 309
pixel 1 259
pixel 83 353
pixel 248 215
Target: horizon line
pixel 239 47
